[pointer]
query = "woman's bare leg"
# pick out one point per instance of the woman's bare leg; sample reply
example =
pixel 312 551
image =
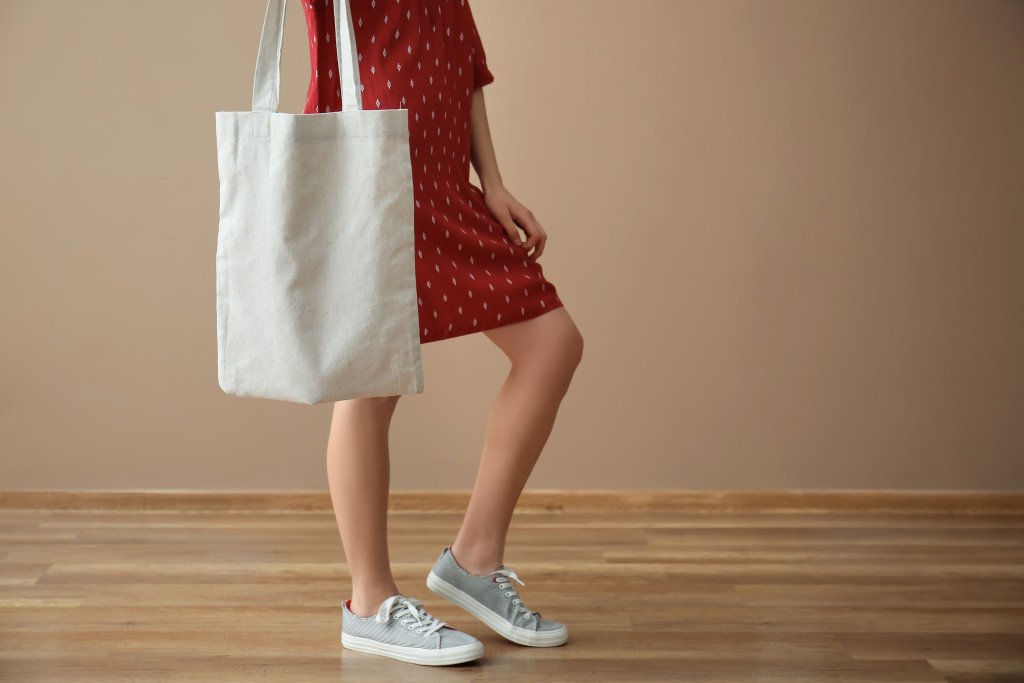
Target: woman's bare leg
pixel 358 471
pixel 545 352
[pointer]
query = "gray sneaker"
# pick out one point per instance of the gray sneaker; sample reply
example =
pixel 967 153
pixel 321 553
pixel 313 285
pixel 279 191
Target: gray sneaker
pixel 493 600
pixel 402 630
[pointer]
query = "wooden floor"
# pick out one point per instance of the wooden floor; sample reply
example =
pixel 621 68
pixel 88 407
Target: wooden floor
pixel 254 596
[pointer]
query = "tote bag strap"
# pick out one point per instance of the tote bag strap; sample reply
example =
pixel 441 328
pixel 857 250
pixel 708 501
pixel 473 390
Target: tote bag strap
pixel 266 89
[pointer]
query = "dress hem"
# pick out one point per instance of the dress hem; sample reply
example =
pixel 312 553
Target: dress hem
pixel 530 315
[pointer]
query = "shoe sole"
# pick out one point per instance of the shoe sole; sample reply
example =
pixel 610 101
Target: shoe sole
pixel 414 655
pixel 516 634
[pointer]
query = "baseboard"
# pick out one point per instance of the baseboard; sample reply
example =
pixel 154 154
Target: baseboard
pixel 550 500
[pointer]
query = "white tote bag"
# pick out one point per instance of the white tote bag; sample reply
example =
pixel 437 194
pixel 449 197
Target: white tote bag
pixel 316 282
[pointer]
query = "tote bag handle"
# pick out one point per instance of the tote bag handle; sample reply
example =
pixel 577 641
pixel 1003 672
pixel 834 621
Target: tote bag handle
pixel 266 90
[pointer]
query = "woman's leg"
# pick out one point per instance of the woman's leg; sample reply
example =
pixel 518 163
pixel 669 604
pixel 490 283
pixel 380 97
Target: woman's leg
pixel 358 471
pixel 545 352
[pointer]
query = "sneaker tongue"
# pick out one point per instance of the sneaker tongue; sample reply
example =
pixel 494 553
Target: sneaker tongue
pixel 385 606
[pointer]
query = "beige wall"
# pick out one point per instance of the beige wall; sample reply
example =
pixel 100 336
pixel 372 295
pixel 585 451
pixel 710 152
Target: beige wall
pixel 791 233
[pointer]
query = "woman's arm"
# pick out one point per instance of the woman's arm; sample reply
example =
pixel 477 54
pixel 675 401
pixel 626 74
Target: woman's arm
pixel 481 147
pixel 506 209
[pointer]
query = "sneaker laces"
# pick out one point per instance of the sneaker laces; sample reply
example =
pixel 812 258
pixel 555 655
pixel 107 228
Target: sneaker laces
pixel 507 585
pixel 401 608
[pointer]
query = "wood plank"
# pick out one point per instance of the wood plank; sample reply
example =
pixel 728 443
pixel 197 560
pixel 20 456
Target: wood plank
pixel 609 501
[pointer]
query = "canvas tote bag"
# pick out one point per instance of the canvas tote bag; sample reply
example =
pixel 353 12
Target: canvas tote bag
pixel 316 283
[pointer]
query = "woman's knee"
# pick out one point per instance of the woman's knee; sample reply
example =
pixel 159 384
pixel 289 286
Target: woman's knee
pixel 574 345
pixel 552 337
pixel 383 406
pixel 566 341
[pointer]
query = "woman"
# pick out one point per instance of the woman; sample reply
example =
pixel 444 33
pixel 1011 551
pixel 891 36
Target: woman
pixel 474 273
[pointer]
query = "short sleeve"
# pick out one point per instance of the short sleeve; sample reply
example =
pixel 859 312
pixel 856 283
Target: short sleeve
pixel 481 74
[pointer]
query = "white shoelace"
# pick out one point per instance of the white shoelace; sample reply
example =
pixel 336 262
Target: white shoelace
pixel 507 584
pixel 409 607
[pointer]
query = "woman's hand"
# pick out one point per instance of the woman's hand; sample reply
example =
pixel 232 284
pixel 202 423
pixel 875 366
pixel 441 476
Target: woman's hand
pixel 513 215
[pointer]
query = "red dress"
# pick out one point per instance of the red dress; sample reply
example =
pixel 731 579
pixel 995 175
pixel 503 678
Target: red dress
pixel 426 56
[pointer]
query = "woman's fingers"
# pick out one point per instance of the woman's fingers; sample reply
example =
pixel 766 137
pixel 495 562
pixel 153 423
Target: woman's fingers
pixel 510 227
pixel 513 216
pixel 536 233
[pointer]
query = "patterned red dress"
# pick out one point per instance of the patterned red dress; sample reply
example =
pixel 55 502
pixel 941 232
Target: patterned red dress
pixel 426 56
